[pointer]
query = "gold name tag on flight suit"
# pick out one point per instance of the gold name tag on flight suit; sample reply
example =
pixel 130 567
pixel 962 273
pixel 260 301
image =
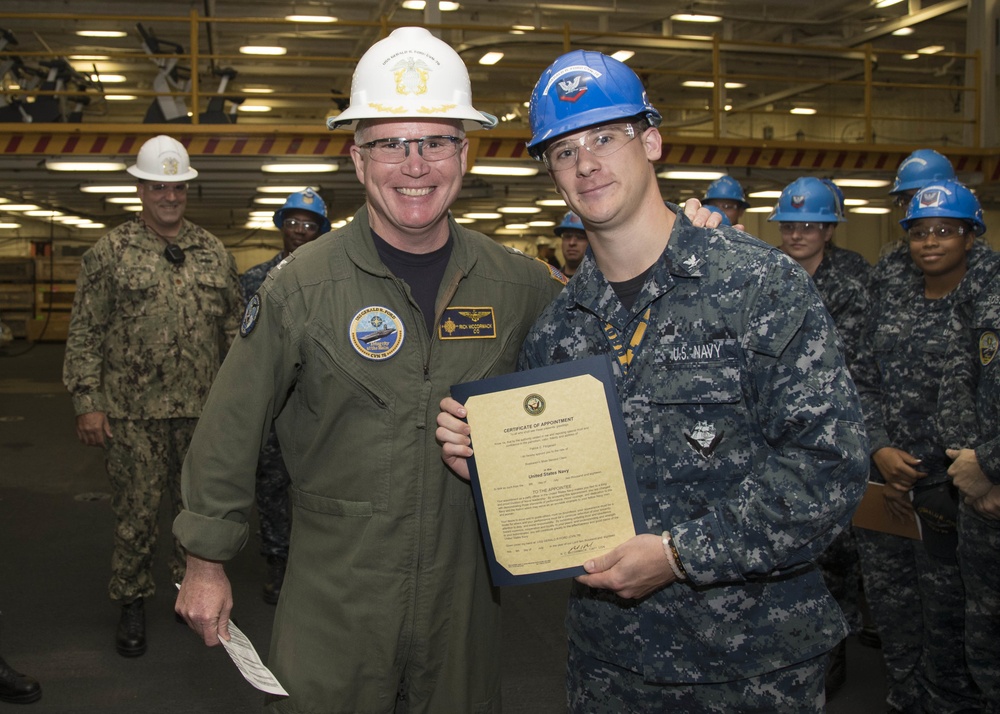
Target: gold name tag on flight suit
pixel 467 323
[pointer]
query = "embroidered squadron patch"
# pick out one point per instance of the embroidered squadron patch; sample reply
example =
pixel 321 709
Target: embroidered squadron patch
pixel 250 316
pixel 988 343
pixel 376 333
pixel 467 323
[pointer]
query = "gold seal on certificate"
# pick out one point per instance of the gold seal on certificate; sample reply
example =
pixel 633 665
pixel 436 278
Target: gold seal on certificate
pixel 553 485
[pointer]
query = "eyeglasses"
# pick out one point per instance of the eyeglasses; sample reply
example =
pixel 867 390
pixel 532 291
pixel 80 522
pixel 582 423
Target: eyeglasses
pixel 165 187
pixel 396 151
pixel 787 229
pixel 307 226
pixel 942 232
pixel 602 141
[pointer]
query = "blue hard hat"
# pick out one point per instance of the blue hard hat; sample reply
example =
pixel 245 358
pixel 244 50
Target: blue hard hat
pixel 307 200
pixel 839 194
pixel 945 199
pixel 809 200
pixel 726 188
pixel 725 218
pixel 920 168
pixel 570 221
pixel 584 88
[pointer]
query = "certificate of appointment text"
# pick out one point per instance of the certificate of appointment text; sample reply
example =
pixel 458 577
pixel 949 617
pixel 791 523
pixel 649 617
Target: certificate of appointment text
pixel 552 473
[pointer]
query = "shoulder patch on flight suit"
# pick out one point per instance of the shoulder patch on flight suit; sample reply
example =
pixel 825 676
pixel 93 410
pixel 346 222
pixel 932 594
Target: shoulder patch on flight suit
pixel 376 333
pixel 467 323
pixel 250 315
pixel 987 347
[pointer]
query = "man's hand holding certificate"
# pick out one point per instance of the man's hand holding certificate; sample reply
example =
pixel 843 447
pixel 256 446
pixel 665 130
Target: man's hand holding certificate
pixel 551 473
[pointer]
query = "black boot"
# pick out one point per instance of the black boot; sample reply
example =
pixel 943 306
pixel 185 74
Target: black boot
pixel 130 640
pixel 836 669
pixel 17 688
pixel 274 578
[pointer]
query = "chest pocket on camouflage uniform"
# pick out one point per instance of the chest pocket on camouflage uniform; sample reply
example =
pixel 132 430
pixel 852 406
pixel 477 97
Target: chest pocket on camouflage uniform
pixel 697 412
pixel 211 289
pixel 138 291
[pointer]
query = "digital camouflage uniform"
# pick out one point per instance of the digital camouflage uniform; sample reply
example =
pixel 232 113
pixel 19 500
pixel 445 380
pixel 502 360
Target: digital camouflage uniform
pixel 748 446
pixel 916 596
pixel 273 480
pixel 387 592
pixel 971 388
pixel 842 284
pixel 146 338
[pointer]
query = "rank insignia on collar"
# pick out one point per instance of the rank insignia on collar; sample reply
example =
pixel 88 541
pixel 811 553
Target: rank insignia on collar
pixel 691 264
pixel 987 347
pixel 704 439
pixel 467 323
pixel 250 316
pixel 376 333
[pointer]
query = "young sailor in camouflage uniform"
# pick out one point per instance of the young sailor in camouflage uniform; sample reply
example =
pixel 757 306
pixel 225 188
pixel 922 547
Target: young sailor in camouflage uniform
pixel 970 418
pixel 744 427
pixel 914 587
pixel 156 305
pixel 302 219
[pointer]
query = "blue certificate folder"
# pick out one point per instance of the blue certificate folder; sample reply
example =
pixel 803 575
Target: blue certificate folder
pixel 536 380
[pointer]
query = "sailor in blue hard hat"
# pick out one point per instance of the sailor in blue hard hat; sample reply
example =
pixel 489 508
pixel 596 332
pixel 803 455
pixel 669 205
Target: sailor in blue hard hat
pixel 302 219
pixel 574 242
pixel 727 194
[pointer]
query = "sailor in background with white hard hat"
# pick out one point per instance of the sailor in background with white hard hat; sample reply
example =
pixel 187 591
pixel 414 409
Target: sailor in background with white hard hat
pixel 349 345
pixel 157 303
pixel 302 219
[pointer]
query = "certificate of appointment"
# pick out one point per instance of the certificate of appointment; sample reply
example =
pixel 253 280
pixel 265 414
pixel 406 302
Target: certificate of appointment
pixel 552 472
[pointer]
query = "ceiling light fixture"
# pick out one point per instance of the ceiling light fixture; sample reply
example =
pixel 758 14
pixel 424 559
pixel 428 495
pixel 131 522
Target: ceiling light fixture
pixel 102 188
pixel 301 168
pixel 310 18
pixel 482 170
pixel 254 108
pixel 109 78
pixel 262 50
pixel 855 202
pixel 89 58
pixel 482 215
pixel 9 224
pixel 443 6
pixel 765 194
pixel 551 202
pixel 930 50
pixel 708 84
pixel 120 97
pixel 693 17
pixel 872 210
pixel 269 201
pixel 861 183
pixel 886 3
pixel 491 58
pixel 904 32
pixel 101 33
pixel 65 165
pixel 691 175
pixel 802 110
pixel 527 210
pixel 258 90
pixel 43 213
pixel 281 189
pixel 760 209
pixel 21 207
pixel 910 56
pixel 623 55
pixel 121 199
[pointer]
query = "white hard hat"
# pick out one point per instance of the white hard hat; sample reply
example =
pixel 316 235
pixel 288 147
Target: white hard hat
pixel 163 158
pixel 411 75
